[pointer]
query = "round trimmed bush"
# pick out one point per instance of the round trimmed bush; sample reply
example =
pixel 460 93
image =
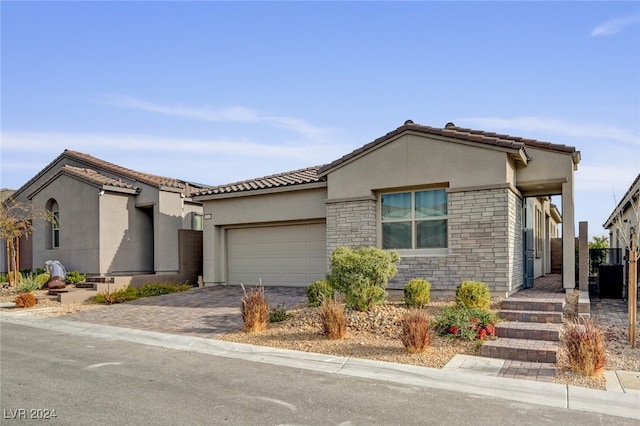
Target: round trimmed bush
pixel 417 293
pixel 363 298
pixel 473 294
pixel 318 292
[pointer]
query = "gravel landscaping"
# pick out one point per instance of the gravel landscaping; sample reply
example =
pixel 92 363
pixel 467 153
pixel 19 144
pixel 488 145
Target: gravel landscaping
pixel 374 335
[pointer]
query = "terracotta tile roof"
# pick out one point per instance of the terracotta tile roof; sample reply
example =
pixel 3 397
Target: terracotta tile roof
pixel 133 176
pixel 296 177
pixel 453 131
pixel 96 177
pixel 147 178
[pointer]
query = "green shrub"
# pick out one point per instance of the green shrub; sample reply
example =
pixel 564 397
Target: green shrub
pixel 355 271
pixel 40 271
pixel 118 296
pixel 25 271
pixel 14 277
pixel 417 293
pixel 318 292
pixel 473 294
pixel 42 279
pixel 466 323
pixel 103 298
pixel 365 297
pixel 133 293
pixel 279 314
pixel 3 278
pixel 585 347
pixel 29 283
pixel 74 277
pixel 416 332
pixel 159 289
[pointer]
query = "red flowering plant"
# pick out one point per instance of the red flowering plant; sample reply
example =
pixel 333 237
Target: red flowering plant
pixel 466 323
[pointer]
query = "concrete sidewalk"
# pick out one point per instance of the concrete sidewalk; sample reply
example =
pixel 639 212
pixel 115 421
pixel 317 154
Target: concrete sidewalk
pixel 472 376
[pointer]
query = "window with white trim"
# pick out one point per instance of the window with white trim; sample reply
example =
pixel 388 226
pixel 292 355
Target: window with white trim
pixel 414 220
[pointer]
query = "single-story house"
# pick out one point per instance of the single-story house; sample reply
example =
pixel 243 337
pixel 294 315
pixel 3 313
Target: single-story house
pixel 624 222
pixel 110 220
pixel 458 204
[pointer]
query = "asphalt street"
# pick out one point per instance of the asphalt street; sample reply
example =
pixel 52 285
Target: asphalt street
pixel 87 380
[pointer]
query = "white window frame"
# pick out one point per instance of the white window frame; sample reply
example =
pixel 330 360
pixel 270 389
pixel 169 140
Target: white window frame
pixel 413 252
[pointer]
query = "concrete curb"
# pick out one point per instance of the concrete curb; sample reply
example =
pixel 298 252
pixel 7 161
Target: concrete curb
pixel 453 378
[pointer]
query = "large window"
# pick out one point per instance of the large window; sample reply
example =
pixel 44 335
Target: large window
pixel 414 220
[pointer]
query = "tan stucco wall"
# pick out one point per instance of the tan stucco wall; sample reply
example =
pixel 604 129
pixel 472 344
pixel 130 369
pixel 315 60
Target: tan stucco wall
pixel 546 166
pixel 125 235
pixel 79 225
pixel 168 221
pixel 270 207
pixel 299 205
pixel 416 160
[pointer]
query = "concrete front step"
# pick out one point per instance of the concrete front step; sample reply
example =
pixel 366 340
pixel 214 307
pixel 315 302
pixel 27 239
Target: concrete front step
pixel 532 316
pixel 521 350
pixel 85 285
pixel 544 305
pixel 529 330
pixel 76 295
pixel 47 297
pixel 99 279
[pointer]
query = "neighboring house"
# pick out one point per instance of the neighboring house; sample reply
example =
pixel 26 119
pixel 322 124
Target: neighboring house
pixel 111 220
pixel 458 204
pixel 624 221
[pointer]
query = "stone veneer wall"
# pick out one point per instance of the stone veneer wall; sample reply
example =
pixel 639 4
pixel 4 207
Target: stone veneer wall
pixel 483 244
pixel 516 243
pixel 485 240
pixel 351 223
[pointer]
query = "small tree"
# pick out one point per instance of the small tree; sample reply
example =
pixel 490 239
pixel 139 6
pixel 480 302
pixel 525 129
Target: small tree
pixel 599 242
pixel 362 274
pixel 597 253
pixel 16 221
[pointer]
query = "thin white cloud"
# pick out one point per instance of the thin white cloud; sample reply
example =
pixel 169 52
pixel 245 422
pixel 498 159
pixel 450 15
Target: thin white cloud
pixel 607 178
pixel 615 25
pixel 536 125
pixel 230 114
pixel 56 142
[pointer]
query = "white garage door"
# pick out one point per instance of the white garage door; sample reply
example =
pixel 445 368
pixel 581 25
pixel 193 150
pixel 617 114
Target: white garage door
pixel 293 255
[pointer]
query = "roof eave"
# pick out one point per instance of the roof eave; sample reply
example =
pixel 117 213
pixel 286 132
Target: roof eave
pixel 261 191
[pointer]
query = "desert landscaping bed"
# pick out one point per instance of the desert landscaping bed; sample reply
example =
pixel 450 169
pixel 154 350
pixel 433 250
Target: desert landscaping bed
pixel 374 335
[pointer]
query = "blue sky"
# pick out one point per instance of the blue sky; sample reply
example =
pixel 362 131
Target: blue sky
pixel 216 92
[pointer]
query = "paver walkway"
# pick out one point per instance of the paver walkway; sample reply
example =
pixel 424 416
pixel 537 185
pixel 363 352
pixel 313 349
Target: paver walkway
pixel 548 287
pixel 203 312
pixel 603 311
pixel 610 311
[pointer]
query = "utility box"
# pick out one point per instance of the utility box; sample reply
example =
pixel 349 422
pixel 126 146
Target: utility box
pixel 611 281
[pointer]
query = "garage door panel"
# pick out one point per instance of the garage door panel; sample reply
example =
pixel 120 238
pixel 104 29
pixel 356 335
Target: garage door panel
pixel 292 255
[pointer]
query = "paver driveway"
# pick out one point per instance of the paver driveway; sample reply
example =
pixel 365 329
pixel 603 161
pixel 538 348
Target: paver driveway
pixel 203 312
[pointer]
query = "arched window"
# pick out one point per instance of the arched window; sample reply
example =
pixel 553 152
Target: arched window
pixel 53 235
